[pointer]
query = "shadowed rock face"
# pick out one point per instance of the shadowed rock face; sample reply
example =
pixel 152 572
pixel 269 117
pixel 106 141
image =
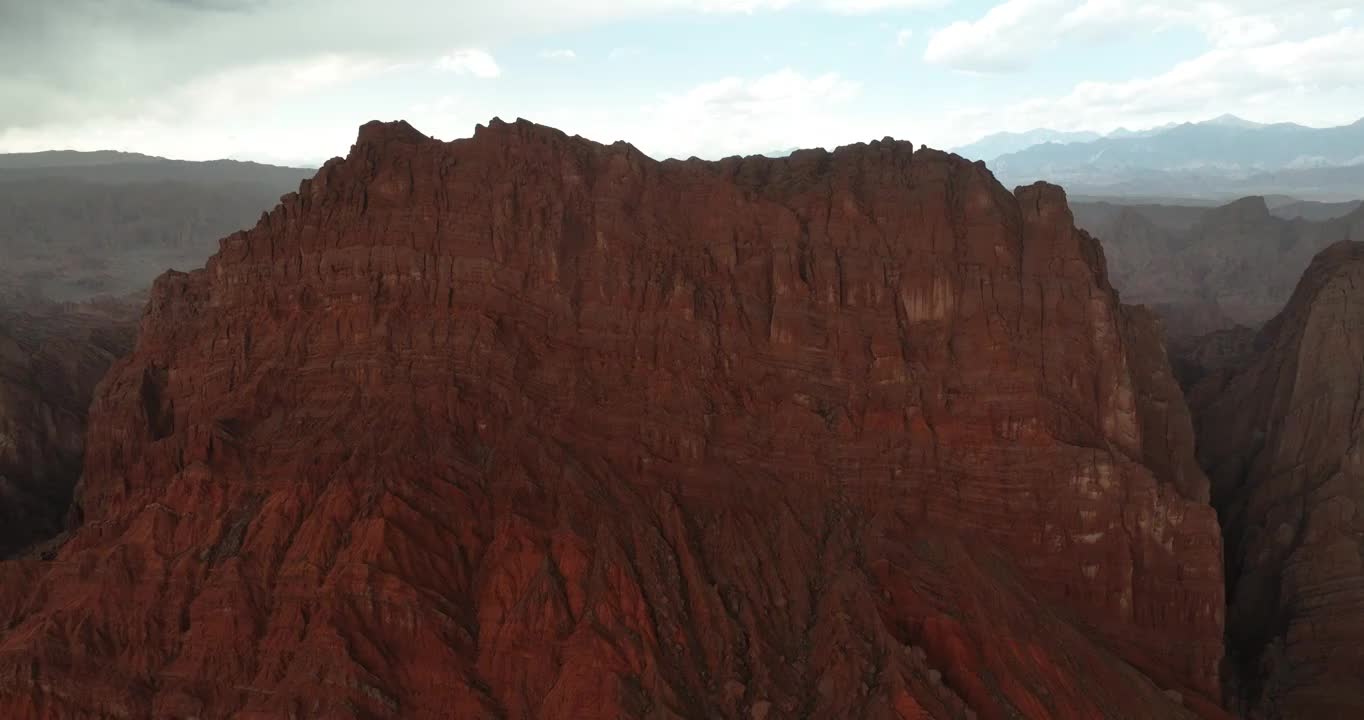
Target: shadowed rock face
pixel 527 426
pixel 1224 351
pixel 1282 437
pixel 51 358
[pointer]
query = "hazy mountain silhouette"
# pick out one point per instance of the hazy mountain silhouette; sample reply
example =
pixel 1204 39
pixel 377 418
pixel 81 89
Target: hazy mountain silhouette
pixel 992 146
pixel 1220 158
pixel 75 225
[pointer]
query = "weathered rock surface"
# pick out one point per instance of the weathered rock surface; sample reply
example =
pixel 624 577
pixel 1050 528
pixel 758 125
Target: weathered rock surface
pixel 1210 269
pixel 1283 440
pixel 51 358
pixel 526 426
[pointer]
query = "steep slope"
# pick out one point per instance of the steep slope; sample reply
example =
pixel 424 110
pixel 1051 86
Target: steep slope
pixel 51 358
pixel 1208 269
pixel 1283 439
pixel 527 426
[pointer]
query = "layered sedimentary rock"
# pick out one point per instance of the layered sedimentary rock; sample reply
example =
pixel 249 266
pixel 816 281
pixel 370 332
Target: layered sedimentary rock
pixel 1282 437
pixel 1210 269
pixel 51 358
pixel 527 426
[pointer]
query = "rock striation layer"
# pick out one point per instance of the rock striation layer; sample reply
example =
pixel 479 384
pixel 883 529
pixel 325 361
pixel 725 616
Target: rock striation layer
pixel 1282 436
pixel 525 426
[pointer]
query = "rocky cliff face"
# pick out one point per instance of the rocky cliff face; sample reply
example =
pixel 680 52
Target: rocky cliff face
pixel 1283 440
pixel 51 358
pixel 527 426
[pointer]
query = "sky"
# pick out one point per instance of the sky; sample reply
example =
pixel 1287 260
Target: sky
pixel 289 81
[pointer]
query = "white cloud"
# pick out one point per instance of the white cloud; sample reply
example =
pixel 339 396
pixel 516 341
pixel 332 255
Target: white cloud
pixel 727 116
pixel 469 62
pixel 741 116
pixel 222 114
pixel 857 7
pixel 257 86
pixel 559 55
pixel 845 7
pixel 623 53
pixel 1243 32
pixel 276 143
pixel 1004 38
pixel 193 89
pixel 1015 32
pixel 96 57
pixel 1319 77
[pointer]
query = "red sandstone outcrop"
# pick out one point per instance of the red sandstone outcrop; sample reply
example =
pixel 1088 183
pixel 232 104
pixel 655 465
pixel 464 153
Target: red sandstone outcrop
pixel 51 358
pixel 1283 440
pixel 526 426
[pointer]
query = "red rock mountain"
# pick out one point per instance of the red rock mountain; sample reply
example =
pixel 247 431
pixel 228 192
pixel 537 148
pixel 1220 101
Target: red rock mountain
pixel 51 358
pixel 524 426
pixel 1283 439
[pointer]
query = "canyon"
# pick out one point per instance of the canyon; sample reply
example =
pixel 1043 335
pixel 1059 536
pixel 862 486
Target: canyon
pixel 1281 431
pixel 51 359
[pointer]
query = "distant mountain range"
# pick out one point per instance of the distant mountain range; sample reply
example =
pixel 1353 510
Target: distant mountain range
pixel 77 225
pixel 1205 269
pixel 111 166
pixel 993 146
pixel 1222 158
